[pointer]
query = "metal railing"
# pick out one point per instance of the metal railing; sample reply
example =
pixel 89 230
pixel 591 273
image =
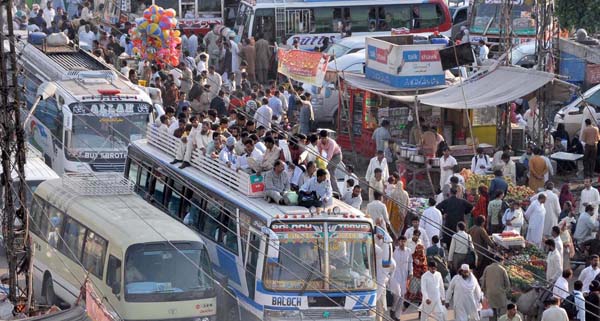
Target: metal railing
pixel 250 185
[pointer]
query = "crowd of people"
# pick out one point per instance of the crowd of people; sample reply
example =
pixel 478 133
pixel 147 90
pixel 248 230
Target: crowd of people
pixel 220 102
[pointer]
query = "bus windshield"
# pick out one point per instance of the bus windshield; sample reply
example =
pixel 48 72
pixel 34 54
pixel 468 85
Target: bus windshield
pixel 305 262
pixel 93 133
pixel 490 14
pixel 158 272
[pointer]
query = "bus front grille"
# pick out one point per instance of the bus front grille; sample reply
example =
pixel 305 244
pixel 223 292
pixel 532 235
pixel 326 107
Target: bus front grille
pixel 108 167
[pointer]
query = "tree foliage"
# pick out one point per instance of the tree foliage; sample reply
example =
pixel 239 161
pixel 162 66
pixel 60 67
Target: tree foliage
pixel 575 14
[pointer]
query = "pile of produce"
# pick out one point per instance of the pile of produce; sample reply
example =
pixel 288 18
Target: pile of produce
pixel 526 268
pixel 473 181
pixel 520 278
pixel 519 193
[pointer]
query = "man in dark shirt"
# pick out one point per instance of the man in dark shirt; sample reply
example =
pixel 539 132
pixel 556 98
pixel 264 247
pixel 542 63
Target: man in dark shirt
pixel 498 183
pixel 454 210
pixel 593 245
pixel 218 104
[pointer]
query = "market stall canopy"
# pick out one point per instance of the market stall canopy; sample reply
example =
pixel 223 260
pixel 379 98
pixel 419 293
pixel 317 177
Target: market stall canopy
pixel 362 82
pixel 485 89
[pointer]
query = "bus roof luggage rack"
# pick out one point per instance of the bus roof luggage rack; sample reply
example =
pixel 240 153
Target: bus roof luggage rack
pixel 98 184
pixel 249 185
pixel 75 60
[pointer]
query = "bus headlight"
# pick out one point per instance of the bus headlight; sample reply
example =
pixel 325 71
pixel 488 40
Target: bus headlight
pixel 282 314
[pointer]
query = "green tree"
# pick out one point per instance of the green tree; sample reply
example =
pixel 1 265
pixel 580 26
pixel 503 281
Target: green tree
pixel 577 14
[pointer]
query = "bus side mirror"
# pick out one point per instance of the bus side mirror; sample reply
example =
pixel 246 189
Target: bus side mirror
pixel 272 245
pixel 116 288
pixel 46 90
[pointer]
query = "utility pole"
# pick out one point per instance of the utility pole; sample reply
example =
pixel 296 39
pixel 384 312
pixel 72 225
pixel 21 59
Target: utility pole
pixel 504 127
pixel 544 18
pixel 13 150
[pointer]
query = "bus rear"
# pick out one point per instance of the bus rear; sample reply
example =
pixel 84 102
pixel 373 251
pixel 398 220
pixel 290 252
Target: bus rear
pixel 310 22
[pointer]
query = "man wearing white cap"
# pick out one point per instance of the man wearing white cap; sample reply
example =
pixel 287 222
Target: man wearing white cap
pixel 465 294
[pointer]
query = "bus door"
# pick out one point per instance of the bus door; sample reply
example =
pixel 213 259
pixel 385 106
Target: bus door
pixel 252 244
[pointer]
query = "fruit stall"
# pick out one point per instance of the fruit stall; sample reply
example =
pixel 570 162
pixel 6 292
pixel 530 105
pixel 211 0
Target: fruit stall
pixel 525 268
pixel 519 193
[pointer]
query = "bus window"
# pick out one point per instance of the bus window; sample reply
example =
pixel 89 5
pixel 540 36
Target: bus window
pixel 174 198
pixel 132 170
pixel 400 16
pixel 48 114
pixel 158 195
pixel 94 253
pixel 113 274
pixel 429 15
pixel 209 6
pixel 322 19
pixel 73 236
pixel 144 181
pixel 229 227
pixel 52 230
pixel 35 216
pixel 192 213
pixel 251 262
pixel 209 224
pixel 360 19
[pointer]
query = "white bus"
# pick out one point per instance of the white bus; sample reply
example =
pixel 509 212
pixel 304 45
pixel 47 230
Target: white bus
pixel 144 264
pixel 278 260
pixel 91 114
pixel 311 21
pixel 36 172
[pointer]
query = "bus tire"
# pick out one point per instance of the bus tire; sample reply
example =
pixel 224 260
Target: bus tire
pixel 48 294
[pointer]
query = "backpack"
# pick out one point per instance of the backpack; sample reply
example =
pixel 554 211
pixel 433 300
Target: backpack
pixel 569 305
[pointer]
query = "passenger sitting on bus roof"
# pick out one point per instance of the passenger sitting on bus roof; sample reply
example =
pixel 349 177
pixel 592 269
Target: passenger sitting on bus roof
pixel 214 147
pixel 277 184
pixel 250 152
pixel 227 154
pixel 321 186
pixel 164 125
pixel 271 154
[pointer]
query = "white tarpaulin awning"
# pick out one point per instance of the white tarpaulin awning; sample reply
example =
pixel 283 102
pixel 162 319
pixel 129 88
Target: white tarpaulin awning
pixel 487 89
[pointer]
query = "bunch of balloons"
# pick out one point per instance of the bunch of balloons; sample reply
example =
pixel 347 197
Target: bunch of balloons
pixel 155 37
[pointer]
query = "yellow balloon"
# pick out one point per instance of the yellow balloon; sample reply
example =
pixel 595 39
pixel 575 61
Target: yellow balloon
pixel 166 34
pixel 177 33
pixel 143 25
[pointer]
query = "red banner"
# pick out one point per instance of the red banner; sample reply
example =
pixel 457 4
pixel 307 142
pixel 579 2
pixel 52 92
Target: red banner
pixel 304 66
pixel 93 305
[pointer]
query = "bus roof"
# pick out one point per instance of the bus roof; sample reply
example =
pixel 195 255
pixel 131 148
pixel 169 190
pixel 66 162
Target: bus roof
pixel 35 167
pixel 265 211
pixel 93 86
pixel 117 217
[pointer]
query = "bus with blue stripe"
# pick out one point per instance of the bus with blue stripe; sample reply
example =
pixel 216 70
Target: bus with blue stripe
pixel 277 262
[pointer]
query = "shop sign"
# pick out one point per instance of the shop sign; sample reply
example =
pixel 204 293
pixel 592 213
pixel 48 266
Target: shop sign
pixel 404 66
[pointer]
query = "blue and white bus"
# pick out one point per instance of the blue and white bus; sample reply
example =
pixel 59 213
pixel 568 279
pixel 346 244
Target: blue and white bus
pixel 280 262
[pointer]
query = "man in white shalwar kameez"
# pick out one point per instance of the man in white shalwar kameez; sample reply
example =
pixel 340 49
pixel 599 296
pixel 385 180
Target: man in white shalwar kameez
pixel 378 161
pixel 403 271
pixel 536 215
pixel 434 295
pixel 589 195
pixel 465 294
pixel 552 206
pixel 385 265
